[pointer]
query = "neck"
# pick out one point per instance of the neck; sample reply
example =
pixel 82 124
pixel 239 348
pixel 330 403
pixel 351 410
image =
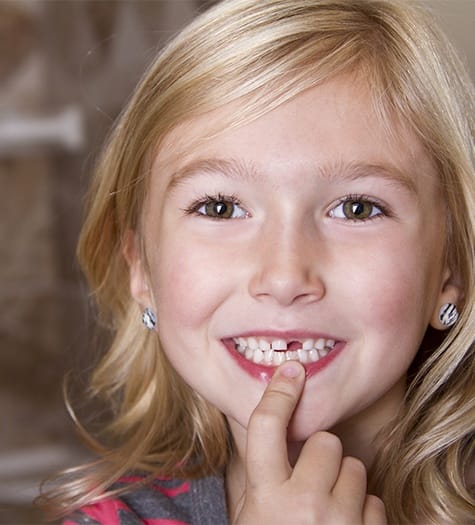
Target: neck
pixel 360 434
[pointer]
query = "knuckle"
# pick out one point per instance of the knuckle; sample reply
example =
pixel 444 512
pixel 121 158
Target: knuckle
pixel 280 396
pixel 374 511
pixel 328 442
pixel 354 467
pixel 274 407
pixel 376 504
pixel 263 421
pixel 309 509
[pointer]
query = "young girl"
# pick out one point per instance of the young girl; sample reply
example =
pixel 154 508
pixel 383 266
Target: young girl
pixel 287 205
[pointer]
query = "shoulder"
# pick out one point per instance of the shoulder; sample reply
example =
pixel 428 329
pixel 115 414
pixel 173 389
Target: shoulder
pixel 158 502
pixel 107 511
pixel 161 501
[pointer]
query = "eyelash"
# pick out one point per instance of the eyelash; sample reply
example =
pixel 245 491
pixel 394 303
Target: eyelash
pixel 195 206
pixel 385 211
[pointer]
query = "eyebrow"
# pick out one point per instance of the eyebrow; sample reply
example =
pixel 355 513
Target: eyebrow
pixel 361 170
pixel 233 169
pixel 230 168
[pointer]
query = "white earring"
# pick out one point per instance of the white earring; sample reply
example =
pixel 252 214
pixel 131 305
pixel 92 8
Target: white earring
pixel 149 319
pixel 448 314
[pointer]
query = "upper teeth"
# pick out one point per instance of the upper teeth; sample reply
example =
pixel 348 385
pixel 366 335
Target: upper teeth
pixel 274 352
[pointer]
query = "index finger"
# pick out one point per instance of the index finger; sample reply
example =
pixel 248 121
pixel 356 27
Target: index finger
pixel 266 457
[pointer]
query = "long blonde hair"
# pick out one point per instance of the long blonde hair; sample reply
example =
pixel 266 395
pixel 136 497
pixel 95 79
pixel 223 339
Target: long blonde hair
pixel 263 53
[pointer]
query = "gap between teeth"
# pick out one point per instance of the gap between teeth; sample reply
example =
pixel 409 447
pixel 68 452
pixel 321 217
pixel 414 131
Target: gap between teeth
pixel 275 353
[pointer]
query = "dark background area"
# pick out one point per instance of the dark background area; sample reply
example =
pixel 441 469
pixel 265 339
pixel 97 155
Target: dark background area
pixel 66 69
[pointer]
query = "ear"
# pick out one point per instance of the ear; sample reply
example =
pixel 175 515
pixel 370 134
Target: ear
pixel 450 292
pixel 139 284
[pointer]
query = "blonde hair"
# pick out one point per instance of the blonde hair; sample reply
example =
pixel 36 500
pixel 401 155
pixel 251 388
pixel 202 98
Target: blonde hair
pixel 263 53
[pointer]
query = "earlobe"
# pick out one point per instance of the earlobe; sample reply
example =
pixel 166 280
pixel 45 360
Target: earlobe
pixel 448 315
pixel 139 288
pixel 446 311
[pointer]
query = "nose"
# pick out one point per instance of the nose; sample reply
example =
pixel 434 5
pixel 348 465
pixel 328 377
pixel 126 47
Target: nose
pixel 288 267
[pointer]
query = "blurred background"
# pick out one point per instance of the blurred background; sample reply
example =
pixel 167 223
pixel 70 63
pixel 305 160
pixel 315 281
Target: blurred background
pixel 66 69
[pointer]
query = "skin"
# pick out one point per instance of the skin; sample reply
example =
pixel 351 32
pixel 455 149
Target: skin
pixel 289 261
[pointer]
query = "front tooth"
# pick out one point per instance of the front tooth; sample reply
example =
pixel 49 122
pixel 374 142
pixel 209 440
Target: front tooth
pixel 279 344
pixel 303 356
pixel 249 353
pixel 320 344
pixel 278 359
pixel 313 355
pixel 307 344
pixel 258 356
pixel 264 345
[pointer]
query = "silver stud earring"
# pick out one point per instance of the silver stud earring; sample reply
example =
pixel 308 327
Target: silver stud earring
pixel 149 319
pixel 448 314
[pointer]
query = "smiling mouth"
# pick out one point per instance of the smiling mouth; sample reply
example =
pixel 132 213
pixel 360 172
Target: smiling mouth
pixel 273 352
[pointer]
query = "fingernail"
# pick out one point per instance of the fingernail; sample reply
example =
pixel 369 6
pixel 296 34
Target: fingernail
pixel 291 369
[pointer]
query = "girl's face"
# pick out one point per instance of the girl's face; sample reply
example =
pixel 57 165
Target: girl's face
pixel 307 234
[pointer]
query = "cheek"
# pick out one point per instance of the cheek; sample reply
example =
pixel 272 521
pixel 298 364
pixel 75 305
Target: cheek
pixel 189 282
pixel 395 290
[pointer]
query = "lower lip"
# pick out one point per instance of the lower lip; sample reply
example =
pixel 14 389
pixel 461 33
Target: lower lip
pixel 265 373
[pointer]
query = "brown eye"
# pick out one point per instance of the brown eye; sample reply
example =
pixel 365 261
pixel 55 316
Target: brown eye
pixel 358 210
pixel 219 209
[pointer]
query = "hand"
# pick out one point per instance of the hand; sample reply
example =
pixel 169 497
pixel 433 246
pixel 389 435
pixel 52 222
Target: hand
pixel 323 488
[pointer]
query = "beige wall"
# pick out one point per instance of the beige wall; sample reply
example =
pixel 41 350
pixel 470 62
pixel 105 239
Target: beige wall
pixel 65 67
pixel 457 17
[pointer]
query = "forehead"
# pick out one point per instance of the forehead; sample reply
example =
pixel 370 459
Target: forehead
pixel 332 123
